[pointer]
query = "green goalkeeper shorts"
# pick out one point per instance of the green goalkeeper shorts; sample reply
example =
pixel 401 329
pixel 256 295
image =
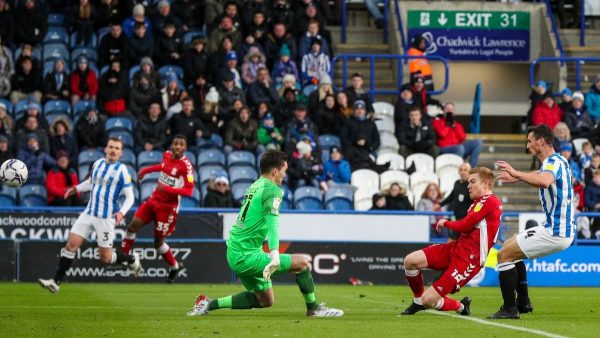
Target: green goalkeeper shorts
pixel 249 268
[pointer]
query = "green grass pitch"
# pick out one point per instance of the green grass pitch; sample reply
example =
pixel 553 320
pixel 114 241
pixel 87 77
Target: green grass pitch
pixel 151 310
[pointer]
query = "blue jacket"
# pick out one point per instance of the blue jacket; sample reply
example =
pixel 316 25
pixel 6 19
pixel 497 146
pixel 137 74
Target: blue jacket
pixel 36 162
pixel 592 196
pixel 575 169
pixel 592 102
pixel 338 171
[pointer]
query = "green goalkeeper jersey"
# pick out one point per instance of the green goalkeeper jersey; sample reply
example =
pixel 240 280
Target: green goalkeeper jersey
pixel 258 218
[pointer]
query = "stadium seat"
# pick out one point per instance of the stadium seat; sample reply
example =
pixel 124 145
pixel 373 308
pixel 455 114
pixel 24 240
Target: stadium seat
pixel 37 52
pixel 33 195
pixel 56 19
pixel 423 162
pixel 239 189
pixel 215 141
pixel 91 44
pixel 91 65
pixel 132 71
pixel 128 157
pixel 20 107
pixel 339 197
pixel 132 172
pixel 363 198
pixel 240 174
pixel 210 171
pixel 241 158
pixel 167 70
pixel 82 106
pixel 150 177
pixel 447 162
pixel 56 34
pixel 578 144
pixel 308 89
pixel 394 176
pixel 90 53
pixel 365 178
pixel 9 106
pixel 389 143
pixel 308 198
pixel 419 181
pixel 146 189
pixel 103 71
pixel 328 141
pixel 53 51
pixel 385 125
pixel 57 107
pixel 188 37
pixel 396 160
pixel 211 157
pixel 136 195
pixel 124 136
pixel 53 117
pixel 102 32
pixel 191 201
pixel 383 109
pixel 146 158
pixel 87 157
pixel 8 196
pixel 288 198
pixel 447 180
pixel 191 157
pixel 118 124
pixel 83 171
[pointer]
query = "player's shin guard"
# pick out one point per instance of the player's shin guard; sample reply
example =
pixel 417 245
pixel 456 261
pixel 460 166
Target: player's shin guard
pixel 448 304
pixel 415 281
pixel 305 282
pixel 522 290
pixel 128 242
pixel 240 301
pixel 66 259
pixel 120 258
pixel 508 283
pixel 167 255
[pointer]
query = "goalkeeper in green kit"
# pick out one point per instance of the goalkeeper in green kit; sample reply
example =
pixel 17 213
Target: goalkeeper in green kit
pixel 259 219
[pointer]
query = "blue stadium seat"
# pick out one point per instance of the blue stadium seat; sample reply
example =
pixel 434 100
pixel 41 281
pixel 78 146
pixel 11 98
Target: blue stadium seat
pixel 146 189
pixel 103 71
pixel 20 108
pixel 288 198
pixel 136 195
pixel 239 189
pixel 150 177
pixel 132 173
pixel 191 157
pixel 92 43
pixel 215 141
pixel 340 197
pixel 82 106
pixel 308 198
pixel 124 136
pixel 37 52
pixel 90 53
pixel 188 37
pixel 56 19
pixel 91 65
pixel 8 196
pixel 9 106
pixel 102 32
pixel 33 195
pixel 146 158
pixel 87 157
pixel 56 34
pixel 167 70
pixel 211 157
pixel 83 171
pixel 132 71
pixel 53 117
pixel 328 141
pixel 191 201
pixel 59 107
pixel 240 174
pixel 118 124
pixel 241 157
pixel 129 157
pixel 53 51
pixel 209 171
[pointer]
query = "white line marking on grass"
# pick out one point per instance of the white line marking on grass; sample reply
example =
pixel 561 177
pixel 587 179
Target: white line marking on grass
pixel 506 326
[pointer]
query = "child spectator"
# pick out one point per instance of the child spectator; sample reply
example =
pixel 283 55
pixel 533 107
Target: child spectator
pixel 396 199
pixel 284 66
pixel 335 171
pixel 566 150
pixel 268 134
pixel 585 158
pixel 431 201
pixel 379 202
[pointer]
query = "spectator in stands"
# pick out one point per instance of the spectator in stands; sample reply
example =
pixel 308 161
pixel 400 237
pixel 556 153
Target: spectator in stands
pixel 84 82
pixel 566 98
pixel 169 47
pixel 7 17
pixel 230 10
pixel 420 65
pixel 585 158
pixel 345 110
pixel 301 127
pixel 138 16
pixel 592 100
pixel 190 12
pixel 6 121
pixel 281 11
pixel 7 66
pixel 561 134
pixel 577 118
pixel 228 92
pixel 314 64
pixel 140 44
pixel 199 90
pixel 396 199
pixel 108 11
pixel 305 168
pixel 90 130
pixel 27 51
pixel 262 90
pixel 59 179
pixel 284 66
pixel 316 98
pixel 313 32
pixel 218 194
pixel 326 117
pixel 537 94
pixel 254 60
pixel 379 202
pixel 416 135
pixel 421 96
pixel 404 103
pixel 566 150
pixel 172 95
pixel 276 39
pixel 592 193
pixel 356 92
pixel 269 136
pixel 32 109
pixel 225 28
pixel 218 60
pixel 163 16
pixel 80 18
pixel 26 81
pixel 358 155
pixel 147 68
pixel 255 20
pixel 547 112
pixel 187 123
pixel 142 94
pixel 373 8
pixel 284 111
pixel 458 200
pixel 588 173
pixel 241 133
pixel 61 139
pixel 114 91
pixel 360 125
pixel 231 64
pixel 563 13
pixel 431 202
pixel 31 22
pixel 210 114
pixel 57 83
pixel 195 62
pixel 212 9
pixel 451 137
pixel 151 130
pixel 5 149
pixel 114 46
pixel 35 158
pixel 262 109
pixel 336 170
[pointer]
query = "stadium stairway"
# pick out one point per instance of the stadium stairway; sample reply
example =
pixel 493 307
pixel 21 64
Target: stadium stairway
pixel 589 71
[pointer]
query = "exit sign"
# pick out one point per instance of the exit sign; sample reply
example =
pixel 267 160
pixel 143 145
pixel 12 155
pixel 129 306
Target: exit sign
pixel 468 19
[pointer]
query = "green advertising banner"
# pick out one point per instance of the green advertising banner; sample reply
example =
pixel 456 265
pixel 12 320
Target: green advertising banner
pixel 468 19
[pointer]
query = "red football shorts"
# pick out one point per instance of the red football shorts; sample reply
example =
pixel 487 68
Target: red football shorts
pixel 164 217
pixel 459 268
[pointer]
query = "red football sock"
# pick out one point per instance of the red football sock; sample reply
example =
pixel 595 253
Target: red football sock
pixel 450 305
pixel 126 245
pixel 167 255
pixel 415 281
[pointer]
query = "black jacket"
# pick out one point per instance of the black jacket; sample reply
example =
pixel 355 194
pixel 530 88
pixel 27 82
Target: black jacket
pixel 51 87
pixel 187 125
pixel 113 48
pixel 139 48
pixel 90 135
pixel 148 131
pixel 30 25
pixel 398 203
pixel 165 46
pixel 458 200
pixel 215 199
pixel 26 83
pixel 353 97
pixel 353 128
pixel 194 65
pixel 407 135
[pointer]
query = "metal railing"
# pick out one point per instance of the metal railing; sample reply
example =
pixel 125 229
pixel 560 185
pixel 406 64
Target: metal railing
pixel 549 13
pixel 403 37
pixel 344 23
pixel 373 90
pixel 578 62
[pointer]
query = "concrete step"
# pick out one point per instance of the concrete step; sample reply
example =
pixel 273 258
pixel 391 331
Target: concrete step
pixel 352 46
pixel 500 148
pixel 366 33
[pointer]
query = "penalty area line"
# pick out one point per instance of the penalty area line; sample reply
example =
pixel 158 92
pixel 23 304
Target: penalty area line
pixel 506 326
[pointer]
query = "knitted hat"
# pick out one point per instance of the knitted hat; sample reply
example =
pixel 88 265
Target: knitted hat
pixel 212 96
pixel 566 146
pixel 231 55
pixel 359 104
pixel 285 50
pixel 32 136
pixel 578 96
pixel 542 83
pixel 138 10
pixel 567 91
pixel 289 77
pixel 162 3
pixel 303 148
pixel 325 79
pixel 222 179
pixel 147 61
pixel 3 106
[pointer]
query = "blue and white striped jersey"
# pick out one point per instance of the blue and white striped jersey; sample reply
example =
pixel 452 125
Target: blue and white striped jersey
pixel 557 199
pixel 107 182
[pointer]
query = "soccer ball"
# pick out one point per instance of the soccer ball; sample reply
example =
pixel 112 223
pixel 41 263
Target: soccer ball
pixel 13 173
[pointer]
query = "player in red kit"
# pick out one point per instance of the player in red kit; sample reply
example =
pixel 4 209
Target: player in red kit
pixel 462 259
pixel 176 179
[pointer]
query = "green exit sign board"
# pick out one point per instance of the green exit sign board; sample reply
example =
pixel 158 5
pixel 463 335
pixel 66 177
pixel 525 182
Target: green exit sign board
pixel 468 19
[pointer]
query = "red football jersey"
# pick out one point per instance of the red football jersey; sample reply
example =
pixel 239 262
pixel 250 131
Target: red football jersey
pixel 176 177
pixel 479 229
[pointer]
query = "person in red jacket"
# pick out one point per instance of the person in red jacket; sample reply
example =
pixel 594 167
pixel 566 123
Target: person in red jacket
pixel 84 82
pixel 59 179
pixel 451 137
pixel 547 112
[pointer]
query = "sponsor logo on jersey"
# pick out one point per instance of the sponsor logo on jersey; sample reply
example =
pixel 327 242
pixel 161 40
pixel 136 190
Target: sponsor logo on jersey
pixel 166 179
pixel 276 203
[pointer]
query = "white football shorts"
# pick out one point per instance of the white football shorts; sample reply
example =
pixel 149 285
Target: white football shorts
pixel 539 242
pixel 85 225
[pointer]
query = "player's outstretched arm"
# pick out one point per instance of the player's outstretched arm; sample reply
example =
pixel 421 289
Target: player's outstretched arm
pixel 149 169
pixel 537 179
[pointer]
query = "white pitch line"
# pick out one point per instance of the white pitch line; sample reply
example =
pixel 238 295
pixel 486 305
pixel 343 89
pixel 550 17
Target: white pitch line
pixel 506 326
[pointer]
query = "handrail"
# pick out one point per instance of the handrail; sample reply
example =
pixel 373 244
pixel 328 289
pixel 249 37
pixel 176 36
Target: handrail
pixel 582 24
pixel 399 77
pixel 345 21
pixel 562 60
pixel 403 38
pixel 554 28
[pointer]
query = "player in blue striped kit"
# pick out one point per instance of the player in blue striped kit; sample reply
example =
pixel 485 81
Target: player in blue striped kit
pixel 554 181
pixel 107 179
